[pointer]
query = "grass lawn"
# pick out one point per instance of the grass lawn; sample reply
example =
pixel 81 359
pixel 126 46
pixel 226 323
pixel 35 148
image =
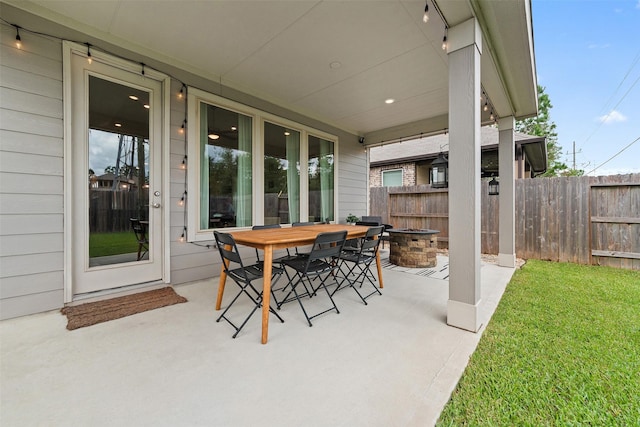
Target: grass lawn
pixel 563 348
pixel 104 244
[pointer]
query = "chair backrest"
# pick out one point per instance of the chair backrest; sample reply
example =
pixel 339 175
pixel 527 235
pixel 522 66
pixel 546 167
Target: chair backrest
pixel 328 245
pixel 371 239
pixel 367 223
pixel 263 227
pixel 300 224
pixel 376 220
pixel 228 255
pixel 138 229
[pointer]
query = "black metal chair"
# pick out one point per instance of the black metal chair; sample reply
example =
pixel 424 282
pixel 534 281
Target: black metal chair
pixel 243 276
pixel 377 220
pixel 280 260
pixel 321 263
pixel 140 231
pixel 358 263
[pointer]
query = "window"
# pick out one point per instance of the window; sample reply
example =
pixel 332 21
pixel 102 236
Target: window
pixel 225 168
pixel 281 174
pixel 320 165
pixel 249 167
pixel 392 178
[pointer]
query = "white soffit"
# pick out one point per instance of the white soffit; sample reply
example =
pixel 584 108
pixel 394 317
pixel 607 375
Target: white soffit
pixel 282 51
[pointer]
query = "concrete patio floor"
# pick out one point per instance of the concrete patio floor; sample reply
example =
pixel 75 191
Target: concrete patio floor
pixel 393 362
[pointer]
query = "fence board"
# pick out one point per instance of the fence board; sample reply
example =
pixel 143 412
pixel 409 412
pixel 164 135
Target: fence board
pixel 558 219
pixel 615 223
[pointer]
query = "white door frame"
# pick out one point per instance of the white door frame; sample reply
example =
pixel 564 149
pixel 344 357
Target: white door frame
pixel 70 49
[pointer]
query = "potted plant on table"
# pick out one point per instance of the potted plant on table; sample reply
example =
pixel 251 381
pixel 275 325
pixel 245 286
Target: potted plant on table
pixel 352 219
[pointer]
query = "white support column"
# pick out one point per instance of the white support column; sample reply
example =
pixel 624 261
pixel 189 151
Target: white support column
pixel 465 49
pixel 507 203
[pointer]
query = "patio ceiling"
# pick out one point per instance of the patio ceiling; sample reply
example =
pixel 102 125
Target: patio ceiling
pixel 333 61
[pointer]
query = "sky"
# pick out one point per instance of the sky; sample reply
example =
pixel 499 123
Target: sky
pixel 588 60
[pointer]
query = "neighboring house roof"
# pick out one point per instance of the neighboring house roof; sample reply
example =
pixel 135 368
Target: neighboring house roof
pixel 430 146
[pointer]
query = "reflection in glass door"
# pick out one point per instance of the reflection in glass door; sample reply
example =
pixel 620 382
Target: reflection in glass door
pixel 118 173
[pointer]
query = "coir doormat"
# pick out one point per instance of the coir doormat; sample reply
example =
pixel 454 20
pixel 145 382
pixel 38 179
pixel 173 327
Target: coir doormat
pixel 92 313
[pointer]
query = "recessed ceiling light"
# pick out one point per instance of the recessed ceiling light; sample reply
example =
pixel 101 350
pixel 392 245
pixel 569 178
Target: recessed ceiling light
pixel 147 106
pixel 133 97
pixel 287 133
pixel 118 125
pixel 233 128
pixel 389 101
pixel 213 136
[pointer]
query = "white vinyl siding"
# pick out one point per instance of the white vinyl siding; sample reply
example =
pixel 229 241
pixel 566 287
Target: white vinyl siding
pixel 31 175
pixel 32 178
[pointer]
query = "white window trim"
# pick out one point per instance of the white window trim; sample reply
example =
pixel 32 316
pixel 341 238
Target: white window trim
pixel 259 117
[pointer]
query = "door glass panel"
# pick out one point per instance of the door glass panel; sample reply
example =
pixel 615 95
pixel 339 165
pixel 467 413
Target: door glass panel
pixel 118 184
pixel 281 174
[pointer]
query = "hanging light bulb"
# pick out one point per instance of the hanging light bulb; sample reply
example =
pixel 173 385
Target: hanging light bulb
pixel 181 94
pixel 444 40
pixel 491 116
pixel 425 17
pixel 89 58
pixel 182 127
pixel 181 201
pixel 486 106
pixel 18 39
pixel 181 239
pixel 183 165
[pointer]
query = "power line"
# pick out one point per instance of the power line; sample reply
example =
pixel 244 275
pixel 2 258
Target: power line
pixel 633 64
pixel 613 157
pixel 631 67
pixel 612 110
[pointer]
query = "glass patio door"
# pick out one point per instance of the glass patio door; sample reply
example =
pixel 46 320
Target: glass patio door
pixel 116 174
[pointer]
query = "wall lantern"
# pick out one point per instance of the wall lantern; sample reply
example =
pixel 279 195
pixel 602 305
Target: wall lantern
pixel 494 187
pixel 440 172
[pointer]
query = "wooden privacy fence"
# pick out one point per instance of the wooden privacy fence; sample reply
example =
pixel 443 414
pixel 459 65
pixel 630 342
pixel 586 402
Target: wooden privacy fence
pixel 585 220
pixel 109 211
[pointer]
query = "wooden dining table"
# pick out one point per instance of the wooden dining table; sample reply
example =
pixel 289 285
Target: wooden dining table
pixel 271 239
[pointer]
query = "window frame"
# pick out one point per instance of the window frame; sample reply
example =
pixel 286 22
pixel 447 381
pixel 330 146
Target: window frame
pixel 393 170
pixel 259 117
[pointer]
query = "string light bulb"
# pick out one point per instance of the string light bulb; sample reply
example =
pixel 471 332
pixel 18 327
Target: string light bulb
pixel 181 239
pixel 142 72
pixel 486 106
pixel 18 39
pixel 491 116
pixel 89 58
pixel 425 17
pixel 182 127
pixel 181 94
pixel 444 39
pixel 181 201
pixel 183 165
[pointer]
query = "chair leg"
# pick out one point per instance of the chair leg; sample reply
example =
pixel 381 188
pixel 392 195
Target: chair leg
pixel 364 274
pixel 257 300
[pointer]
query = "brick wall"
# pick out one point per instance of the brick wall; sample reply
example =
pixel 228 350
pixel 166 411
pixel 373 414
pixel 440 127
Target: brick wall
pixel 408 173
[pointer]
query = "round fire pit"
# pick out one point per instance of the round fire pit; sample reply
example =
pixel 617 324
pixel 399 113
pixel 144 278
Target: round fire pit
pixel 413 248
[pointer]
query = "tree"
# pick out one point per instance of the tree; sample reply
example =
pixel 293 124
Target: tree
pixel 542 125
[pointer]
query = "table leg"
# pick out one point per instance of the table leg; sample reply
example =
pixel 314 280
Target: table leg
pixel 266 291
pixel 223 280
pixel 379 265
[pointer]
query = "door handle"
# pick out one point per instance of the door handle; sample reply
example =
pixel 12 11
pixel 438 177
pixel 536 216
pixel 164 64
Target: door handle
pixel 156 205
